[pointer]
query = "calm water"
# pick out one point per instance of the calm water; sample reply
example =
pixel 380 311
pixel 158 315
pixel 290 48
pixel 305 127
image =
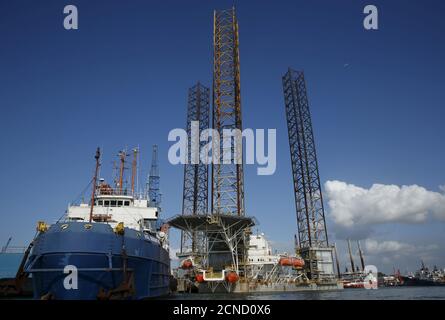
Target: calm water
pixel 9 264
pixel 383 293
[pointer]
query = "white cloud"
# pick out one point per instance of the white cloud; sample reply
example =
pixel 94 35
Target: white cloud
pixel 352 206
pixel 389 254
pixel 374 247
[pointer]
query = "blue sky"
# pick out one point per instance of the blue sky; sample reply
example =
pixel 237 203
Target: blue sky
pixel 121 80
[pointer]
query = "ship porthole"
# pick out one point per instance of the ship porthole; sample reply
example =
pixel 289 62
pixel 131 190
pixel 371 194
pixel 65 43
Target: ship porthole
pixel 88 226
pixel 64 226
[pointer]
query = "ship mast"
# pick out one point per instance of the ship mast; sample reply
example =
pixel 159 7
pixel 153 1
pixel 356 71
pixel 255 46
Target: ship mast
pixel 350 256
pixel 362 260
pixel 93 193
pixel 122 156
pixel 133 169
pixel 336 260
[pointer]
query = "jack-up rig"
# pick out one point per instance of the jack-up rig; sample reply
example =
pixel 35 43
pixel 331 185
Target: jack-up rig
pixel 219 251
pixel 312 237
pixel 216 241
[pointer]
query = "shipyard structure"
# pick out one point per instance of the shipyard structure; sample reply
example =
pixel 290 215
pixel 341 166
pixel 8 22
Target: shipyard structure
pixel 219 251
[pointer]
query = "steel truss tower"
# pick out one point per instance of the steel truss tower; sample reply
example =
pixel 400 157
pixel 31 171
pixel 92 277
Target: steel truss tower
pixel 154 194
pixel 312 233
pixel 227 179
pixel 225 227
pixel 195 192
pixel 308 197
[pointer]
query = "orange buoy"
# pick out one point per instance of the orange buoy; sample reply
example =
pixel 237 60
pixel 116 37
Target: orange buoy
pixel 199 277
pixel 232 277
pixel 186 264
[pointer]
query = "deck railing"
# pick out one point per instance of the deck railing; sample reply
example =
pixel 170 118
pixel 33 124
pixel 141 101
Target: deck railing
pixel 13 249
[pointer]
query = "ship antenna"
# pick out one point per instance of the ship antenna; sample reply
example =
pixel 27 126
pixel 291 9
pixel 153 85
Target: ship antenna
pixel 133 169
pixel 97 157
pixel 154 195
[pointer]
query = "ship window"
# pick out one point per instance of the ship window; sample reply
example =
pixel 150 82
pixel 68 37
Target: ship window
pixel 106 203
pixel 101 202
pixel 150 224
pixel 113 203
pixel 126 203
pixel 119 203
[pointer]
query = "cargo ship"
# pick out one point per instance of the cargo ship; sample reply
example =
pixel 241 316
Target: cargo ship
pixel 112 247
pixel 424 277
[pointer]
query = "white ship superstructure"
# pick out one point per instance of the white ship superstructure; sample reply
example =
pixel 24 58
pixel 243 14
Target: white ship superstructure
pixel 260 258
pixel 112 207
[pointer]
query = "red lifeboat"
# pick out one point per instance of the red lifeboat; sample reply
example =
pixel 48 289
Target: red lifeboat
pixel 232 277
pixel 291 262
pixel 298 263
pixel 199 277
pixel 186 264
pixel 285 261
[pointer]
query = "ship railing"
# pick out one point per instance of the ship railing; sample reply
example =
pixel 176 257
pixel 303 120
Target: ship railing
pixel 13 249
pixel 113 192
pixel 78 269
pixel 119 192
pixel 213 276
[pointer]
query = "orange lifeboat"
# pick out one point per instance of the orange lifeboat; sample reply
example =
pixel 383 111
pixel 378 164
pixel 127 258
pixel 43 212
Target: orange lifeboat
pixel 232 277
pixel 298 263
pixel 199 277
pixel 186 264
pixel 291 262
pixel 286 262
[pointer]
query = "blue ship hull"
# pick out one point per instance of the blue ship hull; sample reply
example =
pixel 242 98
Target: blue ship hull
pixel 103 260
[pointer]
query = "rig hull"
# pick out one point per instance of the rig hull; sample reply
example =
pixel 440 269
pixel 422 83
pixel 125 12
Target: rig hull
pixel 268 288
pixel 133 265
